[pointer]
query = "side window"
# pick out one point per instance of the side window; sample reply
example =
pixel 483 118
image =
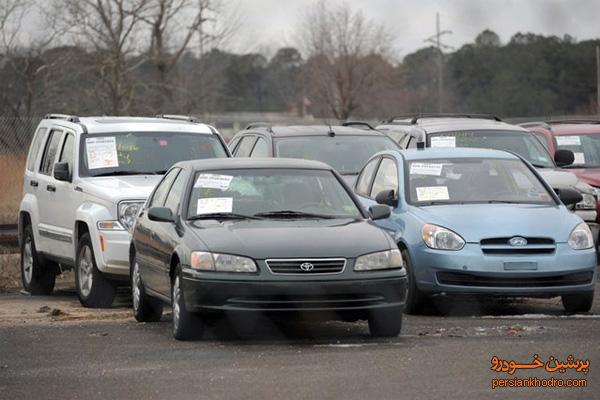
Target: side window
pixel 260 148
pixel 232 144
pixel 542 138
pixel 366 176
pixel 50 152
pixel 176 192
pixel 412 144
pixel 245 146
pixel 160 193
pixel 66 155
pixel 386 177
pixel 35 148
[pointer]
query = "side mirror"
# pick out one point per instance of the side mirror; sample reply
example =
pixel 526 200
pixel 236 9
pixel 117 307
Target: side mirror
pixel 61 172
pixel 160 214
pixel 564 157
pixel 379 211
pixel 387 197
pixel 569 196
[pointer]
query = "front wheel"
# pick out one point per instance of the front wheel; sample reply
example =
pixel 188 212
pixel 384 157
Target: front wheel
pixel 577 303
pixel 93 289
pixel 186 325
pixel 415 298
pixel 386 322
pixel 145 308
pixel 38 277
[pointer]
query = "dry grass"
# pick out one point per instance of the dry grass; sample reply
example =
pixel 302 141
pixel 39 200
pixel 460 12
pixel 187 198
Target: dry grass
pixel 11 186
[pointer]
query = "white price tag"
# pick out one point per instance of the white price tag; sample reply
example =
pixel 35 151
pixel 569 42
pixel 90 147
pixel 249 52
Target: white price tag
pixel 432 193
pixel 443 141
pixel 102 152
pixel 426 169
pixel 579 158
pixel 214 205
pixel 213 181
pixel 568 140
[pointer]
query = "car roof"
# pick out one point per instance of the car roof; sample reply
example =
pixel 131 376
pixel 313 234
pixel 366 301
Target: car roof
pixel 249 163
pixel 312 130
pixel 575 129
pixel 436 125
pixel 456 152
pixel 109 124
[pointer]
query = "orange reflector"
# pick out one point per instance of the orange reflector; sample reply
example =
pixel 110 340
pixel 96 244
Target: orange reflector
pixel 102 243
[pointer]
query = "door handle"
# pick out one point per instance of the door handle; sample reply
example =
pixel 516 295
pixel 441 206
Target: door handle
pixel 33 183
pixel 51 188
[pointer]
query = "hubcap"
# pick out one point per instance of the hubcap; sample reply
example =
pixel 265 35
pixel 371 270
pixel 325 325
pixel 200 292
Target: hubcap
pixel 176 300
pixel 85 271
pixel 135 287
pixel 28 261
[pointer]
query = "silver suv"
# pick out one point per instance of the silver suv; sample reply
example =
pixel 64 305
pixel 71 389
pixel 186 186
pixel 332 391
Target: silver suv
pixel 85 181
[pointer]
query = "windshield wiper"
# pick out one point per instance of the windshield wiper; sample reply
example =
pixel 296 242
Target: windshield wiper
pixel 223 215
pixel 539 166
pixel 114 173
pixel 506 202
pixel 292 214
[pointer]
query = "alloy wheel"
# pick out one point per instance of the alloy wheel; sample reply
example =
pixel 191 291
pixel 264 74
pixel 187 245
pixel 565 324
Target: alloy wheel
pixel 85 271
pixel 28 260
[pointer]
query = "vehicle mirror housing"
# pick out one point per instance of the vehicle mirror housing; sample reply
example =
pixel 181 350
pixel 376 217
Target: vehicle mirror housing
pixel 387 197
pixel 160 214
pixel 61 172
pixel 564 157
pixel 379 211
pixel 569 196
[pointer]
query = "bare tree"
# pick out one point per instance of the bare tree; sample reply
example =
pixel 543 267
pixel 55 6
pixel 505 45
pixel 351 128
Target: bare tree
pixel 343 50
pixel 110 28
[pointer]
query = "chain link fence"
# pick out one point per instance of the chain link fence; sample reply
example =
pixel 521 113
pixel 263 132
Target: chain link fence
pixel 15 135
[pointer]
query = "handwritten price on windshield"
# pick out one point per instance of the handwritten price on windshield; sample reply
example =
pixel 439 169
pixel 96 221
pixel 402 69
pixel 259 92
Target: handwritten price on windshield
pixel 552 365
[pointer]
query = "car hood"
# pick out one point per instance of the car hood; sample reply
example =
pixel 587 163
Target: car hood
pixel 588 175
pixel 480 221
pixel 117 188
pixel 261 239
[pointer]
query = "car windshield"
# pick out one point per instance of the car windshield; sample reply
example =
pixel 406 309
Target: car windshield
pixel 134 153
pixel 586 149
pixel 473 180
pixel 523 143
pixel 347 154
pixel 271 193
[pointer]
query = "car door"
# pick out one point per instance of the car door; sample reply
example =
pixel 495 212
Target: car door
pixel 148 235
pixel 52 239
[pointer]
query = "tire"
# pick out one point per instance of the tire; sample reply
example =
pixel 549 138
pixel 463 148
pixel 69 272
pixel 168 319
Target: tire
pixel 93 289
pixel 415 298
pixel 386 322
pixel 578 303
pixel 186 325
pixel 145 308
pixel 38 277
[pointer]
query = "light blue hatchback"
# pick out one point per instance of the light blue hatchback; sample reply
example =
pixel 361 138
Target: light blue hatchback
pixel 477 221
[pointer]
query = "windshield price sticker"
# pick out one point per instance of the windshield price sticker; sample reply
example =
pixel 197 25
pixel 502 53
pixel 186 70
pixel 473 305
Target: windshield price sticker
pixel 213 181
pixel 102 152
pixel 579 158
pixel 432 193
pixel 568 140
pixel 443 141
pixel 426 169
pixel 214 205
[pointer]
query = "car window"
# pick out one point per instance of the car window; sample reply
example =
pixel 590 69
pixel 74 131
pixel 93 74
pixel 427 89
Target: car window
pixel 412 143
pixel 174 196
pixel 160 193
pixel 232 144
pixel 245 146
pixel 35 148
pixel 542 138
pixel 585 148
pixel 66 155
pixel 260 148
pixel 366 177
pixel 49 156
pixel 386 177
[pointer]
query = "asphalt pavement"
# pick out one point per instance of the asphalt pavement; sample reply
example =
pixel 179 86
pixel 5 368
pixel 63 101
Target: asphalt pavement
pixel 52 348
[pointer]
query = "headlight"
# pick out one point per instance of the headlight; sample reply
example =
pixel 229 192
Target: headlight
pixel 128 212
pixel 596 191
pixel 588 202
pixel 440 238
pixel 205 261
pixel 388 259
pixel 581 237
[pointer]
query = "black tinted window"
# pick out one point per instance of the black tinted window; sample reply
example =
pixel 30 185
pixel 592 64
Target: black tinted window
pixel 158 199
pixel 50 152
pixel 174 196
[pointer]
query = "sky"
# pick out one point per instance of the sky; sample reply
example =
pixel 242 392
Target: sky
pixel 270 24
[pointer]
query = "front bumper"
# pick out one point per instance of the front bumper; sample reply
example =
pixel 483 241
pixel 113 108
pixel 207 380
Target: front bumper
pixel 470 271
pixel 114 259
pixel 289 295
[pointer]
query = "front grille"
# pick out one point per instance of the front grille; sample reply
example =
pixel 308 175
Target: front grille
pixel 464 279
pixel 502 246
pixel 319 266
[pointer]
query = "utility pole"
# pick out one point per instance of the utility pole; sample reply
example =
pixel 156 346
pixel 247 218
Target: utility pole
pixel 436 40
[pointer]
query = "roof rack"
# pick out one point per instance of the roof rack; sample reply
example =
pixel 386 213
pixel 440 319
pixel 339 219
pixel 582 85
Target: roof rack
pixel 416 117
pixel 176 117
pixel 64 117
pixel 254 125
pixel 534 123
pixel 358 123
pixel 573 121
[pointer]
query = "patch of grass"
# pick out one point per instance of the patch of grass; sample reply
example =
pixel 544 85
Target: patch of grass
pixel 11 186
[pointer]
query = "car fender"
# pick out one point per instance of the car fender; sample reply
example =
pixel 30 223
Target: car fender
pixel 29 205
pixel 90 213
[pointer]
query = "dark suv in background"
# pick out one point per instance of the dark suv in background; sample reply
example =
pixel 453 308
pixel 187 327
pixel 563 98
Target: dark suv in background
pixel 345 148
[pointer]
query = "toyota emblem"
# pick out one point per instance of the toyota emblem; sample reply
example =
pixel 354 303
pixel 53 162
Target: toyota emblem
pixel 306 267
